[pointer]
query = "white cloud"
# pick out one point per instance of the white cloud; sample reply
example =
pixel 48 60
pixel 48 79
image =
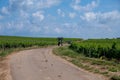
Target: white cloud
pixel 67 25
pixel 72 15
pixel 4 10
pixel 88 7
pixel 60 12
pixel 33 4
pixel 0 29
pixel 1 17
pixel 35 29
pixel 77 1
pixel 52 2
pixel 13 25
pixel 58 30
pixel 24 14
pixel 19 26
pixel 38 15
pixel 104 24
pixel 10 25
pixel 113 15
pixel 105 17
pixel 89 16
pixel 29 2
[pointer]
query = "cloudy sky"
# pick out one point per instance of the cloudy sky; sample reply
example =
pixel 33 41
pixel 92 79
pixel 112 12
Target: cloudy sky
pixel 67 18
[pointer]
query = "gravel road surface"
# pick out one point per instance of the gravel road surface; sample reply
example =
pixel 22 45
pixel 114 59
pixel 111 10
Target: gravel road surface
pixel 41 64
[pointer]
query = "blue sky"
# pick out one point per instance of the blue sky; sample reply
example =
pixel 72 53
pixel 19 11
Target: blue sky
pixel 66 18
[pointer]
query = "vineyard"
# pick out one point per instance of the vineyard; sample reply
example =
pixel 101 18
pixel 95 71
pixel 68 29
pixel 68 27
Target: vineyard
pixel 12 42
pixel 98 48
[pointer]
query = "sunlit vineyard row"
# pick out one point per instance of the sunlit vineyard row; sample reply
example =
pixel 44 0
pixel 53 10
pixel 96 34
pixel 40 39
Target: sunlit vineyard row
pixel 98 48
pixel 7 42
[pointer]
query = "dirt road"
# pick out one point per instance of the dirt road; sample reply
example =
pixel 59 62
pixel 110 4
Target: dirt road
pixel 41 64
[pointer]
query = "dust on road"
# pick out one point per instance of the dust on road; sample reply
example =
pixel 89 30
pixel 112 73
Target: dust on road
pixel 41 64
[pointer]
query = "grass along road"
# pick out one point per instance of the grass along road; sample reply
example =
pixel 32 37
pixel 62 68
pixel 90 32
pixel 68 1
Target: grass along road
pixel 109 69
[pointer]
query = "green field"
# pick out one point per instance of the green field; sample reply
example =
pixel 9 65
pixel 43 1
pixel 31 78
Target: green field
pixel 98 48
pixel 8 43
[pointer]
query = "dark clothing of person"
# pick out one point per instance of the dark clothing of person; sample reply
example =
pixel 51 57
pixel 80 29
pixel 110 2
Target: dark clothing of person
pixel 60 41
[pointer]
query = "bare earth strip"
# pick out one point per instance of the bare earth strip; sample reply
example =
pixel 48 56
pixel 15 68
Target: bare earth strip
pixel 4 69
pixel 41 64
